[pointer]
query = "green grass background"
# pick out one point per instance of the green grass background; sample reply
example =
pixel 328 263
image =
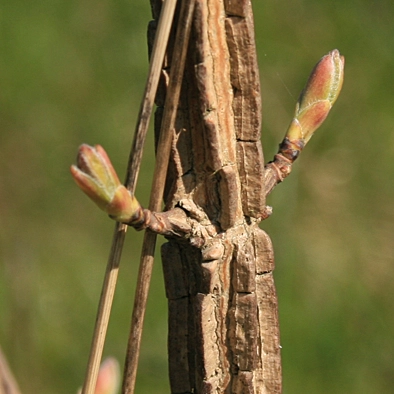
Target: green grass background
pixel 73 72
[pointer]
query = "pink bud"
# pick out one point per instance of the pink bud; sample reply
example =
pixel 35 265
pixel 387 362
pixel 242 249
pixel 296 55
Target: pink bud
pixel 325 81
pixel 318 96
pixel 97 178
pixel 108 380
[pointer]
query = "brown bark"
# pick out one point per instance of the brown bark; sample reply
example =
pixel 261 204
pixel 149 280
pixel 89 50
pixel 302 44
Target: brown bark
pixel 223 319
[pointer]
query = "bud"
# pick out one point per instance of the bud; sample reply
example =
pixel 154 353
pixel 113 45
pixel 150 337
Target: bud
pixel 108 380
pixel 316 100
pixel 96 177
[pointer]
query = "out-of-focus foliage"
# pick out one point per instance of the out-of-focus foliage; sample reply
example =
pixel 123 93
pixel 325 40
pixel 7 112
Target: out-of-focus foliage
pixel 73 72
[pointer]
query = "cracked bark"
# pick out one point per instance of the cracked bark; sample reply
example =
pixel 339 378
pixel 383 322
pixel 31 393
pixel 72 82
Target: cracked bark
pixel 223 320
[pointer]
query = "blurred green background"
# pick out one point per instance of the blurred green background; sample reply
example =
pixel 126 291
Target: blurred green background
pixel 73 72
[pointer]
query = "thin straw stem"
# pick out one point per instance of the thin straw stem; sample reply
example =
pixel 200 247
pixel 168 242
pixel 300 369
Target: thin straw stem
pixel 104 309
pixel 163 154
pixel 157 57
pixel 111 273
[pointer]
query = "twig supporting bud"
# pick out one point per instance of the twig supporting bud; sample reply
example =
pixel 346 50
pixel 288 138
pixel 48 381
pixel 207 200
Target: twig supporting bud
pixel 97 178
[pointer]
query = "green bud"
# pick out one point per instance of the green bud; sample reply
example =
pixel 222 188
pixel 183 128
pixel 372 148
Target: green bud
pixel 317 98
pixel 96 177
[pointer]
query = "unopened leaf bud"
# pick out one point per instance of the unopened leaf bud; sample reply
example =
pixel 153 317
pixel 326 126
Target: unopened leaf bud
pixel 97 178
pixel 316 100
